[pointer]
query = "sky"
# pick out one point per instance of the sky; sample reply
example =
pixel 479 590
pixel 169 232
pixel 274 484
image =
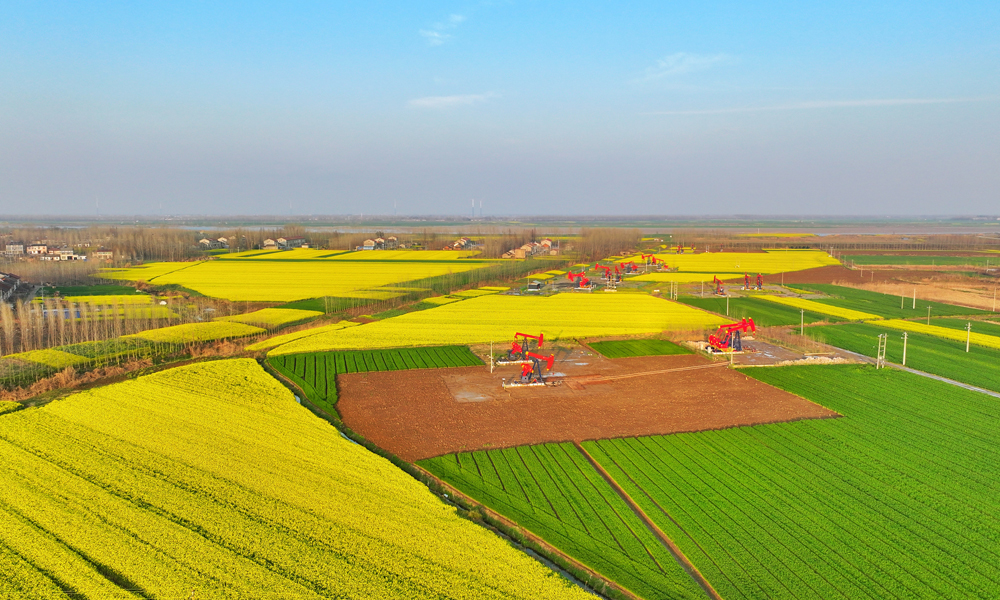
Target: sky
pixel 555 108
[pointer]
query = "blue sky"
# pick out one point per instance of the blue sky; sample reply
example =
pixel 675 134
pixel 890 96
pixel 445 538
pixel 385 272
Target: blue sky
pixel 535 108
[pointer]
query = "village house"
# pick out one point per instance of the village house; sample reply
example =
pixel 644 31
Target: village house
pixel 38 249
pixel 292 242
pixel 14 249
pixel 8 285
pixel 105 255
pixel 270 244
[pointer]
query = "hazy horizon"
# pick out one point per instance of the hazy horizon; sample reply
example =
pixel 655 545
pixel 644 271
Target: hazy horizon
pixel 583 109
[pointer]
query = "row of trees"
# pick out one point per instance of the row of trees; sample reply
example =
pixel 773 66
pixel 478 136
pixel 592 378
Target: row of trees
pixel 597 243
pixel 56 322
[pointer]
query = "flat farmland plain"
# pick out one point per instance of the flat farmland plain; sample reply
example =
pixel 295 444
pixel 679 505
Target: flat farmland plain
pixel 496 317
pixel 210 480
pixel 896 499
pixel 289 276
pixel 429 412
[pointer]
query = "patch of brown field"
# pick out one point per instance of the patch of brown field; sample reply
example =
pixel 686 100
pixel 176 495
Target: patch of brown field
pixel 962 291
pixel 838 273
pixel 429 412
pixel 70 378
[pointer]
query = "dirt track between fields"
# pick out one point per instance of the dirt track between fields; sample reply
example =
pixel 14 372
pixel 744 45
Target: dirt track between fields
pixel 837 273
pixel 429 412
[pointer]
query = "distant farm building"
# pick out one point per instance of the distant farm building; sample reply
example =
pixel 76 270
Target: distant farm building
pixel 208 244
pixel 14 249
pixel 291 242
pixel 8 285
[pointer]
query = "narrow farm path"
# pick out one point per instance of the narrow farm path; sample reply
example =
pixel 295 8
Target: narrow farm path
pixel 945 380
pixel 663 537
pixel 966 386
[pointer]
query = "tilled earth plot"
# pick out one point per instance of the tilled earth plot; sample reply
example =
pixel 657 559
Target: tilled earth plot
pixel 429 412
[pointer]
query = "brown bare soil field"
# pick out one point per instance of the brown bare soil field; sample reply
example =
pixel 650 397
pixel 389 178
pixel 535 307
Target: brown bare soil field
pixel 837 274
pixel 939 285
pixel 429 412
pixel 960 291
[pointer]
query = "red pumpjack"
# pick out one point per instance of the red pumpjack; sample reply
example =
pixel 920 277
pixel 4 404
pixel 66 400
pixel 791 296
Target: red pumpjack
pixel 582 282
pixel 532 374
pixel 518 353
pixel 719 290
pixel 607 270
pixel 630 267
pixel 748 286
pixel 650 259
pixel 728 338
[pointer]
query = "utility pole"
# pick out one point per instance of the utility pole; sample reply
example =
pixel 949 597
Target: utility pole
pixel 968 335
pixel 880 353
pixel 802 325
pixel 928 315
pixel 727 305
pixel 905 335
pixel 914 298
pixel 901 300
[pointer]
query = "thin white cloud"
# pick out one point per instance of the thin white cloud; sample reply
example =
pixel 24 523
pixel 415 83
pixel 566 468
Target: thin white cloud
pixel 439 102
pixel 820 104
pixel 681 63
pixel 434 38
pixel 437 35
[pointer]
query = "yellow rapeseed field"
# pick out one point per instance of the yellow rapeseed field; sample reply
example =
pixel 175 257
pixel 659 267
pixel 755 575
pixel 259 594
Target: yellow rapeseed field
pixel 210 481
pixel 295 254
pixel 110 299
pixel 297 335
pixel 826 309
pixel 771 261
pixel 442 300
pixel 380 255
pixel 50 357
pixel 197 332
pixel 148 271
pixel 272 316
pixel 285 280
pixel 683 277
pixel 475 293
pixel 959 335
pixel 377 255
pixel 497 318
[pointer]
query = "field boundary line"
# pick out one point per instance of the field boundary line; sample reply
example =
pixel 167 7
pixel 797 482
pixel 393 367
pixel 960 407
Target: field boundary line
pixel 584 379
pixel 967 386
pixel 455 494
pixel 659 533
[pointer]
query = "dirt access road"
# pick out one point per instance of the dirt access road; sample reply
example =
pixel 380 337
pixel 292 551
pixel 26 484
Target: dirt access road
pixel 429 412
